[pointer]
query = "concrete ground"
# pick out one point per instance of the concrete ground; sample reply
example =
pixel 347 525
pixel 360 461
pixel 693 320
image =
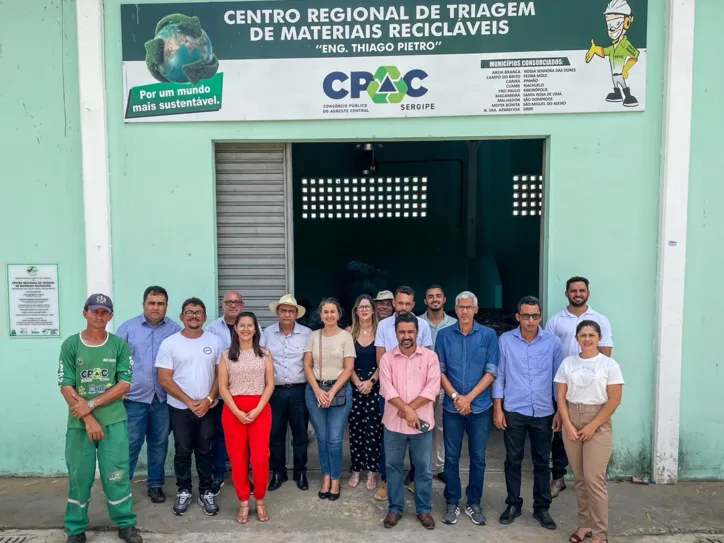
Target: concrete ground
pixel 687 512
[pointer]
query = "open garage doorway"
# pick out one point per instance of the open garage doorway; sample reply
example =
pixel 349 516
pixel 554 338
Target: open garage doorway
pixel 463 215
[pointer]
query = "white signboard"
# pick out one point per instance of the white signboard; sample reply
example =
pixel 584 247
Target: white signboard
pixel 33 300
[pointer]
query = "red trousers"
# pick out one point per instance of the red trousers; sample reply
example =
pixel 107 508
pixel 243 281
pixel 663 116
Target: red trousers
pixel 240 438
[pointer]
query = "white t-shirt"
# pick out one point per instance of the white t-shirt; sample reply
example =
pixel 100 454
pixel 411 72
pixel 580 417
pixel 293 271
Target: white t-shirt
pixel 193 362
pixel 564 323
pixel 387 337
pixel 588 378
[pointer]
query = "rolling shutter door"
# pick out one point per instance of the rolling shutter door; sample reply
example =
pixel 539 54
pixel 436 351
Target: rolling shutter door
pixel 252 233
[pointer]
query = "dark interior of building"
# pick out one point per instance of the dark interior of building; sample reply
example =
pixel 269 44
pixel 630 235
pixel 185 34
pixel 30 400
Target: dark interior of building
pixel 477 228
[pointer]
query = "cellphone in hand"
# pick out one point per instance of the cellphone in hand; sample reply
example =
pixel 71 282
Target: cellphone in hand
pixel 424 426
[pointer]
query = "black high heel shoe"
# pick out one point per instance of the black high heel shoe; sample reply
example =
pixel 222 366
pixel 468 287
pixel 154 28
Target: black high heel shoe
pixel 325 495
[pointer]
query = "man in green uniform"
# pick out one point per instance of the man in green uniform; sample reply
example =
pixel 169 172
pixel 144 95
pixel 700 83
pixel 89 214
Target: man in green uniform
pixel 94 373
pixel 621 53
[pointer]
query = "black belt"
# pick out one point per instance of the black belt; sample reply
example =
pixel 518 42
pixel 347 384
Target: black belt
pixel 326 383
pixel 291 385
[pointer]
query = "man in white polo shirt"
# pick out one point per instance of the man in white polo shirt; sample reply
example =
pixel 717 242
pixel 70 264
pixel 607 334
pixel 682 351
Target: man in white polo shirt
pixel 186 365
pixel 563 324
pixel 386 340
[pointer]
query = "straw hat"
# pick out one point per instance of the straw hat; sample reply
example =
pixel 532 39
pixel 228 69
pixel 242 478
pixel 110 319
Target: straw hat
pixel 288 299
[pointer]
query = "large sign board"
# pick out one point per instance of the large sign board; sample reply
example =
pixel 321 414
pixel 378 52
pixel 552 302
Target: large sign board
pixel 286 59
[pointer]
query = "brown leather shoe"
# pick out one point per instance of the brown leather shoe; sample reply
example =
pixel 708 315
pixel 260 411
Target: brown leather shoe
pixel 391 520
pixel 427 521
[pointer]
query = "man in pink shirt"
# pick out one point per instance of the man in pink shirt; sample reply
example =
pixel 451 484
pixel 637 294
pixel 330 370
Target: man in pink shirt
pixel 410 382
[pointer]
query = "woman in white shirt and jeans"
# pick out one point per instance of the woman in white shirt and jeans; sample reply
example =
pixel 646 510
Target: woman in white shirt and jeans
pixel 591 384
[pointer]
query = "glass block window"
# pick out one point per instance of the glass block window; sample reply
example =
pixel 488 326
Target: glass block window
pixel 527 195
pixel 364 198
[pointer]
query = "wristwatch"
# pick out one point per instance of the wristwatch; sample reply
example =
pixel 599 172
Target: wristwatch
pixel 211 401
pixel 91 404
pixel 454 395
pixel 373 380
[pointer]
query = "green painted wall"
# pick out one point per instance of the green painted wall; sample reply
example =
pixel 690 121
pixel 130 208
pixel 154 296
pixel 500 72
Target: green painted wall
pixel 42 217
pixel 701 451
pixel 601 212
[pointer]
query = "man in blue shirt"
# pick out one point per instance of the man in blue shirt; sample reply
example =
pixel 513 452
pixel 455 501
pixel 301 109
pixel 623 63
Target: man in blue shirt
pixel 468 354
pixel 146 401
pixel 523 399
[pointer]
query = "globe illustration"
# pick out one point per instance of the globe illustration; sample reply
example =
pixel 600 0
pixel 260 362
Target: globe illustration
pixel 181 51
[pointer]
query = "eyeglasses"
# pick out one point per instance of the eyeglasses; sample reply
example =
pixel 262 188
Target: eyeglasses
pixel 529 317
pixel 465 307
pixel 189 314
pixel 245 327
pixel 587 336
pixel 233 302
pixel 364 308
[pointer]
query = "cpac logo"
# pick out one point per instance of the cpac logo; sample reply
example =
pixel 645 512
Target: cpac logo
pixel 386 86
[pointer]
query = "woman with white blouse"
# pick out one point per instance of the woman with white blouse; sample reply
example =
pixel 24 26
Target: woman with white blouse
pixel 328 365
pixel 592 385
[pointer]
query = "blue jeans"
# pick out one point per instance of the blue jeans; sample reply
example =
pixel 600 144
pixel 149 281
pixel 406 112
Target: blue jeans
pixel 477 427
pixel 148 422
pixel 218 444
pixel 395 449
pixel 328 423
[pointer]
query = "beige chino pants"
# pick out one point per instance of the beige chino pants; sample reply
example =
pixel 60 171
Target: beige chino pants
pixel 589 460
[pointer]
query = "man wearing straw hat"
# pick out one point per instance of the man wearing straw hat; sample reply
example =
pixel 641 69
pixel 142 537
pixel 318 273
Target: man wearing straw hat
pixel 286 341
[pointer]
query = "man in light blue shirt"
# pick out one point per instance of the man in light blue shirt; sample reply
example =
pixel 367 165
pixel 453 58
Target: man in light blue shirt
pixel 286 341
pixel 523 398
pixel 468 354
pixel 146 401
pixel 437 319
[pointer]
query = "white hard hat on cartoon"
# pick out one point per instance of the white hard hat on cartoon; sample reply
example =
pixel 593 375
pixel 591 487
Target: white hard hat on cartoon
pixel 618 7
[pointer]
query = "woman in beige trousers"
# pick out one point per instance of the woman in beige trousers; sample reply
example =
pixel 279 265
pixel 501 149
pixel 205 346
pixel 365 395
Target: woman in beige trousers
pixel 591 384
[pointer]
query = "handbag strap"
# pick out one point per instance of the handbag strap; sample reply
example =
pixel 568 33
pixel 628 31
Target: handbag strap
pixel 320 355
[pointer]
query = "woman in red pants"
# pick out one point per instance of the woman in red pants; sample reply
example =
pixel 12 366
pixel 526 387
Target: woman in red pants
pixel 246 382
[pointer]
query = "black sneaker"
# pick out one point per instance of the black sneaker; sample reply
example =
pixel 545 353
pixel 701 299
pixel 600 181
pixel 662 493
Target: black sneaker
pixel 78 538
pixel 130 534
pixel 183 500
pixel 216 486
pixel 208 502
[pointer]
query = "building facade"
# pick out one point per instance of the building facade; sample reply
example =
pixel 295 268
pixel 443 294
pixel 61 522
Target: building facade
pixel 630 201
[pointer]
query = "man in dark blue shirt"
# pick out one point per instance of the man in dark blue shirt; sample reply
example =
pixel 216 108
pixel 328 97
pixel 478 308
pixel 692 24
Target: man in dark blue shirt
pixel 468 354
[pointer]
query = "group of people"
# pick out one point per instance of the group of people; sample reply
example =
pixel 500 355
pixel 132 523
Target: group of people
pixel 403 384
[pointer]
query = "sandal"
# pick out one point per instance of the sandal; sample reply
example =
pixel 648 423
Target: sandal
pixel 243 516
pixel 354 480
pixel 575 538
pixel 261 514
pixel 371 481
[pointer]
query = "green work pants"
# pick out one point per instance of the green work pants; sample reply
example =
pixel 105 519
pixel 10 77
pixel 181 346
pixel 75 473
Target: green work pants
pixel 80 457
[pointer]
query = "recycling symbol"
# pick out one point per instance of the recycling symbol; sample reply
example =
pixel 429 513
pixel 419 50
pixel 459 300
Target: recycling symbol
pixel 388 86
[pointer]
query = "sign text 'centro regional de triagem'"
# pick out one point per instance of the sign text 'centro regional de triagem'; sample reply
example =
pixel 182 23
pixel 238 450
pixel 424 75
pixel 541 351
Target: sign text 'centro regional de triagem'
pixel 286 60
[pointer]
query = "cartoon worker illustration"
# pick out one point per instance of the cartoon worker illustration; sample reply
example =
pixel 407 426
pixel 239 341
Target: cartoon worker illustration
pixel 621 54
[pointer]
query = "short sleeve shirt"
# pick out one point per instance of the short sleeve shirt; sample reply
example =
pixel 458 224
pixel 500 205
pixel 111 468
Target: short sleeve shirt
pixel 387 338
pixel 334 350
pixel 588 378
pixel 564 323
pixel 193 362
pixel 619 54
pixel 93 369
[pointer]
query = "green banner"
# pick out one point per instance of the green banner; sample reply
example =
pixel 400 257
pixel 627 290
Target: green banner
pixel 358 28
pixel 175 99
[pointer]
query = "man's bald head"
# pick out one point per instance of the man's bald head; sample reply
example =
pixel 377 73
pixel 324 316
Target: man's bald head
pixel 232 304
